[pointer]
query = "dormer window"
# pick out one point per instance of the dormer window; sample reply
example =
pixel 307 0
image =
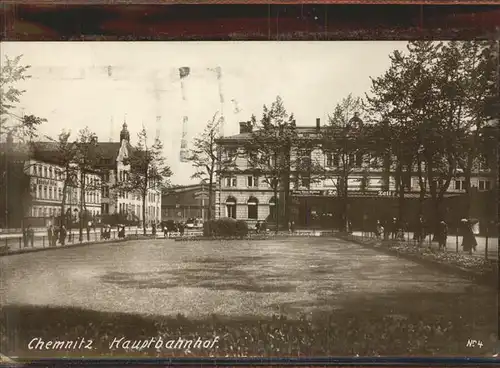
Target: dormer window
pixel 230 154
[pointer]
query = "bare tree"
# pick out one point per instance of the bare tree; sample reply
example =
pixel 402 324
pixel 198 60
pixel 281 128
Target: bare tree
pixel 11 73
pixel 148 170
pixel 86 159
pixel 205 158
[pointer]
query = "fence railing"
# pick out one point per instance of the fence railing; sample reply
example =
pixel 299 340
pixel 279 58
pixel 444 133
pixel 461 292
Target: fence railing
pixel 487 247
pixel 20 243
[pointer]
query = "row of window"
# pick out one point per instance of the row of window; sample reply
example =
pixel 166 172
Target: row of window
pixel 331 159
pixel 46 172
pixel 482 185
pixel 252 207
pixel 55 193
pixel 44 211
pixel 54 173
pixel 354 159
pixel 251 181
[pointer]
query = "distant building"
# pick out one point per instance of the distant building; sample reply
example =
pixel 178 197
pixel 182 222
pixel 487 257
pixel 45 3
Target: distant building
pixel 185 202
pixel 113 162
pixel 371 186
pixel 33 191
pixel 39 165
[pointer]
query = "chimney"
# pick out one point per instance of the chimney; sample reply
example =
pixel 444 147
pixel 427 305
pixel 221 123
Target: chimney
pixel 245 127
pixel 318 124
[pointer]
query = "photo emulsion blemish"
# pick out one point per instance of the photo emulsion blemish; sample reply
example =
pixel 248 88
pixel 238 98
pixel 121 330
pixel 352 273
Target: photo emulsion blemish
pixel 264 199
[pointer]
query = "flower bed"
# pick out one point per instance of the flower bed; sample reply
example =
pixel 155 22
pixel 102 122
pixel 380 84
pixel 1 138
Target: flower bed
pixel 211 238
pixel 337 333
pixel 478 268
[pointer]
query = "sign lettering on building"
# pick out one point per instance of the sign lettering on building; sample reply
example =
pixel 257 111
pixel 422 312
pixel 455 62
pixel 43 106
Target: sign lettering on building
pixel 46 182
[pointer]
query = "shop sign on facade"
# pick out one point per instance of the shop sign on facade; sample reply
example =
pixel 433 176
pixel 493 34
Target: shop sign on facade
pixel 46 182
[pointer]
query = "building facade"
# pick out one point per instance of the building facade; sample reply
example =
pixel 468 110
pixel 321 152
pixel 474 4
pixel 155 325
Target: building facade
pixel 372 188
pixel 114 163
pixel 39 165
pixel 47 186
pixel 190 201
pixel 35 185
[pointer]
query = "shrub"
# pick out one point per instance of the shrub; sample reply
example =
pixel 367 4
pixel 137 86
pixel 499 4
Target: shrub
pixel 241 228
pixel 225 227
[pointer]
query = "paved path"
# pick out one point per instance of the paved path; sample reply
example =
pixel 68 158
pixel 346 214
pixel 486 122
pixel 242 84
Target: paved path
pixel 16 244
pixel 288 275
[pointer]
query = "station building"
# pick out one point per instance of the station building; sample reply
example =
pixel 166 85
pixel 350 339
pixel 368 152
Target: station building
pixel 314 202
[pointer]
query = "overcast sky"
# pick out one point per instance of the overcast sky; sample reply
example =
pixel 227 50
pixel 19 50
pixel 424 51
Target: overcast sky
pixel 99 84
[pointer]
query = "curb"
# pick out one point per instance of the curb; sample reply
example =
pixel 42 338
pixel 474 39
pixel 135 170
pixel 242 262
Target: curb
pixel 33 250
pixel 490 279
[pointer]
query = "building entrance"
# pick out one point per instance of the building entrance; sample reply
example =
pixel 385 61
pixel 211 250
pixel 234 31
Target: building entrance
pixel 315 212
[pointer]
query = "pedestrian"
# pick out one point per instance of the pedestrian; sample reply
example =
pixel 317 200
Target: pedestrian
pixel 25 237
pixel 442 234
pixel 181 229
pixel 30 235
pixel 88 230
pixel 62 235
pixel 419 234
pixel 394 228
pixel 50 234
pixel 55 236
pixel 153 229
pixel 257 227
pixel 379 230
pixel 469 242
pixel 292 226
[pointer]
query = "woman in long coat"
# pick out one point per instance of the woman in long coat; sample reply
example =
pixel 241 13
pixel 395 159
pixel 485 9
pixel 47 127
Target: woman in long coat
pixel 469 240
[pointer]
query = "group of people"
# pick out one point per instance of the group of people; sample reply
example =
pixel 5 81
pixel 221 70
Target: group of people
pixel 171 228
pixel 394 230
pixel 55 234
pixel 261 226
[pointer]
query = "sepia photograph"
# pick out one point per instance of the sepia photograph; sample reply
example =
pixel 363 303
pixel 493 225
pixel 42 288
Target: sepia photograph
pixel 249 199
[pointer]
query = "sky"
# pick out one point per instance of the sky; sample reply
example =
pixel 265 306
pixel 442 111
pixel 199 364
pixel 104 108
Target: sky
pixel 103 84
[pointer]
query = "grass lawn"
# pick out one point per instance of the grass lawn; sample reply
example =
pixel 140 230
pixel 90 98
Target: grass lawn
pixel 281 297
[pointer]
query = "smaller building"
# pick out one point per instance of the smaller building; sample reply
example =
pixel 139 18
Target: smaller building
pixel 183 202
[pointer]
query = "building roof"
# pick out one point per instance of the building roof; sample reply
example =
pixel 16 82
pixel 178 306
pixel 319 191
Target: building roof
pixel 47 151
pixel 185 188
pixel 301 131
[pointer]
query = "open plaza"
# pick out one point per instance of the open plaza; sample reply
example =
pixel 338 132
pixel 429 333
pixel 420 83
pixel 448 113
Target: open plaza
pixel 146 288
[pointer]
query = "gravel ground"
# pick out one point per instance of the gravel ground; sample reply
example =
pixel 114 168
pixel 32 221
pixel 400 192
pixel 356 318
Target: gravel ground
pixel 245 283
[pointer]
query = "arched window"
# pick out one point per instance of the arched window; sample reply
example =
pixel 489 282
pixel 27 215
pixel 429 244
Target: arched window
pixel 253 208
pixel 231 207
pixel 272 208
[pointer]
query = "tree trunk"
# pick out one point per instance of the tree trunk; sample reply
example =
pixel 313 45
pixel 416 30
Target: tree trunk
pixel 276 212
pixel 401 190
pixel 467 178
pixel 144 194
pixel 210 192
pixel 64 198
pixel 82 198
pixel 421 182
